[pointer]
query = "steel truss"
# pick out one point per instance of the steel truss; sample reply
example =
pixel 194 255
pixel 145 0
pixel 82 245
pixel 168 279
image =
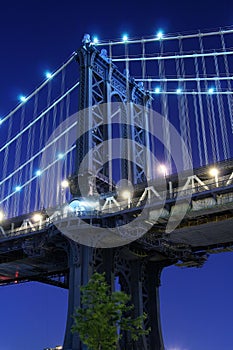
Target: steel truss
pixel 102 83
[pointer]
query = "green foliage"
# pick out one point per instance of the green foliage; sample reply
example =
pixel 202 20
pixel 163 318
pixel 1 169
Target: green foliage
pixel 103 313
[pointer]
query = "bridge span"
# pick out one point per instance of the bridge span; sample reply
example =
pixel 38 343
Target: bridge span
pixel 132 234
pixel 31 249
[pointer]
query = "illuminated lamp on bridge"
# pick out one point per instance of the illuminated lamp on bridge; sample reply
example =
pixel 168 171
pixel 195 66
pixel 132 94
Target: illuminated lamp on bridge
pixel 125 38
pixel 210 90
pixel 83 205
pixel 163 169
pixel 22 98
pixel 60 156
pixel 38 172
pixel 37 217
pixel 95 40
pixel 157 90
pixel 214 172
pixel 127 195
pixel 65 184
pixel 48 75
pixel 1 216
pixel 159 35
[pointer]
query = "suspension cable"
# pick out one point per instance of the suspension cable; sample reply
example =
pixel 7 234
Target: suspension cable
pixel 39 117
pixel 38 89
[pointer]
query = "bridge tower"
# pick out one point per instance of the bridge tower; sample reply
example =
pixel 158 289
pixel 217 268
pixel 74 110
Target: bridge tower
pixel 102 83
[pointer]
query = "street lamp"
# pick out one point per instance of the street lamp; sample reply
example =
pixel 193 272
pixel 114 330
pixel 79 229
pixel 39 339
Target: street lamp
pixel 37 218
pixel 127 195
pixel 1 216
pixel 163 169
pixel 65 184
pixel 214 172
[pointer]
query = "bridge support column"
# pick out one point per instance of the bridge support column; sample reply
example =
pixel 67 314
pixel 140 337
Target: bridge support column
pixel 142 282
pixel 80 265
pixel 151 284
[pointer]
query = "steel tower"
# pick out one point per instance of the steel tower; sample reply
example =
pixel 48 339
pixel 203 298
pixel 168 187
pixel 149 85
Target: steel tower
pixel 101 82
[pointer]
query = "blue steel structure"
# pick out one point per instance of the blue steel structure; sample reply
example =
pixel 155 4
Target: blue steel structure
pixel 40 252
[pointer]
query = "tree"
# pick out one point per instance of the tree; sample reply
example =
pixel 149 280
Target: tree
pixel 104 314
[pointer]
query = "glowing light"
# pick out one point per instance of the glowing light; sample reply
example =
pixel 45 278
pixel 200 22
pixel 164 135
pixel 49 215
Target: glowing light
pixel 1 121
pixel 48 75
pixel 76 205
pixel 211 91
pixel 16 276
pixel 23 98
pixel 95 40
pixel 160 35
pixel 83 205
pixel 65 184
pixel 125 37
pixel 1 215
pixel 38 172
pixel 126 194
pixel 157 90
pixel 178 91
pixel 214 172
pixel 60 155
pixel 37 217
pixel 17 188
pixel 163 169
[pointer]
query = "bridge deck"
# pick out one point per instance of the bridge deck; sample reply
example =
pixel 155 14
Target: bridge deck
pixel 35 252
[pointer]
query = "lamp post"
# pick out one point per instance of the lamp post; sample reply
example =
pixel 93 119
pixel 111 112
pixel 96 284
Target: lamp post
pixel 37 218
pixel 163 169
pixel 64 185
pixel 1 216
pixel 127 195
pixel 214 172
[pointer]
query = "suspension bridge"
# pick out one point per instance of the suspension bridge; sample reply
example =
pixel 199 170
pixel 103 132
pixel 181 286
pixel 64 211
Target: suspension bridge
pixel 123 166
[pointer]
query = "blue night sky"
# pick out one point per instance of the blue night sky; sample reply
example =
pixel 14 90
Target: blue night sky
pixel 196 304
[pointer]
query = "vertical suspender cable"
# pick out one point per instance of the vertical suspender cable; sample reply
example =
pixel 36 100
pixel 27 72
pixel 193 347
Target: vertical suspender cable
pixel 166 133
pixel 47 119
pixel 147 160
pixel 130 175
pixel 35 112
pixel 30 167
pixel 67 169
pixel 185 113
pixel 210 117
pixel 143 62
pixel 216 136
pixel 18 153
pixel 203 133
pixel 221 114
pixel 6 157
pixel 229 96
pixel 60 145
pixel 197 130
